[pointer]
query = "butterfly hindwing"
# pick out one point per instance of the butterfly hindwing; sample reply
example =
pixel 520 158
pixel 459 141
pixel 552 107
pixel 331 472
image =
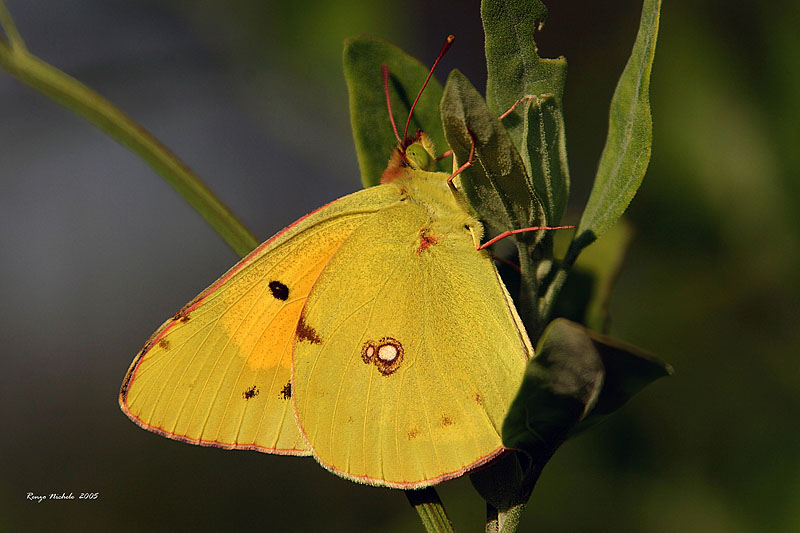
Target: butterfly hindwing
pixel 394 385
pixel 218 373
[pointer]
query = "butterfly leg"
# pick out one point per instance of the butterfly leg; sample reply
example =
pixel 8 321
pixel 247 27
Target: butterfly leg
pixel 463 167
pixel 446 154
pixel 523 99
pixel 516 231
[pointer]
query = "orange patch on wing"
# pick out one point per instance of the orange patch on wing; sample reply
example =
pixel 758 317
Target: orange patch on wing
pixel 273 346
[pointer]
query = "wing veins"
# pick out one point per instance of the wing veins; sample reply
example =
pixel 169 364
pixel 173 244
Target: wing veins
pixel 230 362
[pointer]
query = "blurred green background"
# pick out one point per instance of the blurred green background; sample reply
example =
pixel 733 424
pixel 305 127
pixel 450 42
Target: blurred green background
pixel 97 252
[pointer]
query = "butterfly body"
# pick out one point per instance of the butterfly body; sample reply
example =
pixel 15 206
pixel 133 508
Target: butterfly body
pixel 371 334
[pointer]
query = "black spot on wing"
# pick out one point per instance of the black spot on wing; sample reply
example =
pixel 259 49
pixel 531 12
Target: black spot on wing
pixel 183 314
pixel 286 391
pixel 250 393
pixel 279 290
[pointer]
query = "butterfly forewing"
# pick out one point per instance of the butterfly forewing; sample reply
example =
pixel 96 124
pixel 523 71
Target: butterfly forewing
pixel 218 373
pixel 412 354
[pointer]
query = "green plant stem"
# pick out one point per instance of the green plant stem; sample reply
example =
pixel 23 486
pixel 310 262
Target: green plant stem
pixel 430 509
pixel 557 283
pixel 503 521
pixel 535 262
pixel 10 29
pixel 528 288
pixel 72 94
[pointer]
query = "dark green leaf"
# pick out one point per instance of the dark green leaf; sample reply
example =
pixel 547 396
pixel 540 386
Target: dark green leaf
pixel 496 185
pixel 561 384
pixel 576 379
pixel 544 152
pixel 628 370
pixel 514 67
pixel 369 117
pixel 627 150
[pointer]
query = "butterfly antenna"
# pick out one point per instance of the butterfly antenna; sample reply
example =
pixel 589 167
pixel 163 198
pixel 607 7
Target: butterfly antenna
pixel 445 47
pixel 521 230
pixel 385 73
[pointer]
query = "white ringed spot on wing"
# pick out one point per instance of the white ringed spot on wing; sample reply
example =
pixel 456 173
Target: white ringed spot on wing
pixel 386 354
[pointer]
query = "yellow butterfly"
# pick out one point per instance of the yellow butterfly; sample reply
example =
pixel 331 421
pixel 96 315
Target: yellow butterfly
pixel 372 334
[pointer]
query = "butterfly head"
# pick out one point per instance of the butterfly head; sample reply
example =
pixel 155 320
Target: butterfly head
pixel 420 154
pixel 415 153
pixel 411 153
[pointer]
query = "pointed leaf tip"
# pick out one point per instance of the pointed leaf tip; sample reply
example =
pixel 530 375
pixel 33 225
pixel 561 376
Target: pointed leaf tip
pixel 369 116
pixel 627 150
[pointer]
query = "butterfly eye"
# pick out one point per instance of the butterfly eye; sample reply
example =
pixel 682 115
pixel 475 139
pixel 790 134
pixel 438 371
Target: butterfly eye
pixel 419 158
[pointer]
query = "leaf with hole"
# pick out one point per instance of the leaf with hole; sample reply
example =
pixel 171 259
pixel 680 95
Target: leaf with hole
pixel 514 67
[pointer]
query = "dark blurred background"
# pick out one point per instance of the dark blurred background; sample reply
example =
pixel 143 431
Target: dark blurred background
pixel 97 251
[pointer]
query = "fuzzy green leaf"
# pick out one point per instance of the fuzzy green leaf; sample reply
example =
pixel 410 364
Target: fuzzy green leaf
pixel 627 150
pixel 544 152
pixel 496 184
pixel 369 117
pixel 516 73
pixel 514 67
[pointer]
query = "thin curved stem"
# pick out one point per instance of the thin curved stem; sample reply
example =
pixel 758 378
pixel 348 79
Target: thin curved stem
pixel 12 37
pixel 72 94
